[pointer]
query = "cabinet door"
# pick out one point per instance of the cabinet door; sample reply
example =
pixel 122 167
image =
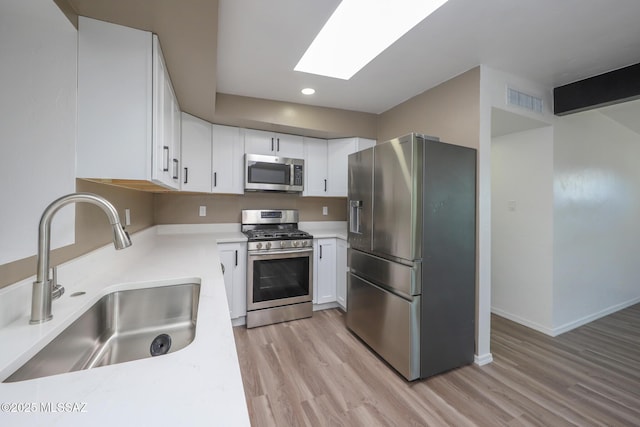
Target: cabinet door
pixel 228 160
pixel 165 117
pixel 289 146
pixel 233 259
pixel 341 273
pixel 325 267
pixel 259 142
pixel 196 154
pixel 315 167
pixel 338 157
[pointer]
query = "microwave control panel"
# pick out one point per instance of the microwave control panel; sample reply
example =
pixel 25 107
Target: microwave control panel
pixel 297 174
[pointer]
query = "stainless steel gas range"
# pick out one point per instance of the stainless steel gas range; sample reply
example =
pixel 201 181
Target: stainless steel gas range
pixel 279 267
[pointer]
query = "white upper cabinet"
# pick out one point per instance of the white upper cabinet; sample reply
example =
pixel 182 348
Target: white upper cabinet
pixel 166 149
pixel 315 164
pixel 128 115
pixel 227 160
pixel 196 154
pixel 273 144
pixel 326 164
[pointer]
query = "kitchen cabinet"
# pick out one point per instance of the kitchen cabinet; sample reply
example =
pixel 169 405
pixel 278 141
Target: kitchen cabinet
pixel 338 161
pixel 341 273
pixel 128 114
pixel 315 164
pixel 326 164
pixel 227 160
pixel 233 260
pixel 196 154
pixel 273 144
pixel 324 269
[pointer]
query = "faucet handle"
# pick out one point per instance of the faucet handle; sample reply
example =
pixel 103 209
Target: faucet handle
pixel 56 289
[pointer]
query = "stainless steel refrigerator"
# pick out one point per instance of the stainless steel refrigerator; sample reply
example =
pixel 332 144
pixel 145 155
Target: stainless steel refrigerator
pixel 412 256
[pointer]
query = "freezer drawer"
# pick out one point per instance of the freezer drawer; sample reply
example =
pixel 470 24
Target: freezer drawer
pixel 388 323
pixel 404 280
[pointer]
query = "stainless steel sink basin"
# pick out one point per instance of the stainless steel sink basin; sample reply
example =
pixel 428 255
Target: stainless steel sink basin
pixel 120 327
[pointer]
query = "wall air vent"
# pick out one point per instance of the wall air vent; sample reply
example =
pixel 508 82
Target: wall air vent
pixel 520 99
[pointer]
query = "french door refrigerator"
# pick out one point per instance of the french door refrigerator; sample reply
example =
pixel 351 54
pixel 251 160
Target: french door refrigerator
pixel 412 256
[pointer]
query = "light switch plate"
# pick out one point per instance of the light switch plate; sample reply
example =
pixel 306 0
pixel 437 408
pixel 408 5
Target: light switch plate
pixel 325 210
pixel 127 217
pixel 203 211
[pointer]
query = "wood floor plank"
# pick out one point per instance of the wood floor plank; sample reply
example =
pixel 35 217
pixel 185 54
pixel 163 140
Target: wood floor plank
pixel 314 372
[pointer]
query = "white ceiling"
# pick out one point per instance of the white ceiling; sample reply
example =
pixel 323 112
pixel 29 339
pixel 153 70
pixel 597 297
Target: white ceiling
pixel 552 42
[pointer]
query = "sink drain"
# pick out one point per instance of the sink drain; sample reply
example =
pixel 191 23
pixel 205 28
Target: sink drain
pixel 160 345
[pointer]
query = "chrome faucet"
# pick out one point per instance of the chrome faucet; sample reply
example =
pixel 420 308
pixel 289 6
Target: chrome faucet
pixel 43 288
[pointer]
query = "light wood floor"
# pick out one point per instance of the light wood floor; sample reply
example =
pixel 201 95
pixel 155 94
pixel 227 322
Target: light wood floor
pixel 314 372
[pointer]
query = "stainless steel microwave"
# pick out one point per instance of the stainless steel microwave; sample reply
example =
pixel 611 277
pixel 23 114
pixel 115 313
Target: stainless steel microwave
pixel 273 173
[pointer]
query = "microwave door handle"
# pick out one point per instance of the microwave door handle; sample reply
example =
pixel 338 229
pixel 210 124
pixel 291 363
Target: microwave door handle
pixel 292 174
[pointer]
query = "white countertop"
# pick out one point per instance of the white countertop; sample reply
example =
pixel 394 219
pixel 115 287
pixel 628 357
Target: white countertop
pixel 198 385
pixel 325 229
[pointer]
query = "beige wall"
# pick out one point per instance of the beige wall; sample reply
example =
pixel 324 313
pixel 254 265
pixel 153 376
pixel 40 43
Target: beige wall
pixel 92 229
pixel 175 208
pixel 450 111
pixel 288 117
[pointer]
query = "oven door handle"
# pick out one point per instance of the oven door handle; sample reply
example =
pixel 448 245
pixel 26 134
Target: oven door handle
pixel 267 252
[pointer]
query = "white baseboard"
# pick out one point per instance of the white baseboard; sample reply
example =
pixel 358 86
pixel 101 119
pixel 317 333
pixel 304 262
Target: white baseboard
pixel 595 316
pixel 326 306
pixel 522 321
pixel 554 332
pixel 239 321
pixel 483 359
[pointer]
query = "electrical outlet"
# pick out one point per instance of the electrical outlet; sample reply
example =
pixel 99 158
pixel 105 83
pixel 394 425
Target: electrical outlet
pixel 127 217
pixel 325 210
pixel 203 211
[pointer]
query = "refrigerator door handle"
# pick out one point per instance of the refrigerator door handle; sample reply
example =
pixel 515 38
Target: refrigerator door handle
pixel 355 210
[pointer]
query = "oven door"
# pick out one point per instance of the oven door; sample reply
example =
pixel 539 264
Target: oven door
pixel 279 278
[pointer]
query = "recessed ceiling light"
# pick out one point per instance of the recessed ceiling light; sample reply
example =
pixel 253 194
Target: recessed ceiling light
pixel 358 31
pixel 308 91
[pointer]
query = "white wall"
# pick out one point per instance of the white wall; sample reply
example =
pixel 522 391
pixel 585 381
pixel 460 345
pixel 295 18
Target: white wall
pixel 522 227
pixel 596 217
pixel 37 122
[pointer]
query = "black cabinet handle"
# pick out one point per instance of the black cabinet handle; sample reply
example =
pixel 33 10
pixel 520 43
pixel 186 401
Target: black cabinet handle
pixel 325 185
pixel 236 258
pixel 278 145
pixel 271 144
pixel 320 251
pixel 215 179
pixel 186 175
pixel 222 266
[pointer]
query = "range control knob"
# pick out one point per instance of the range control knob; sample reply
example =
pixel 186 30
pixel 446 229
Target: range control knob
pixel 283 244
pixel 305 243
pixel 259 245
pixel 296 244
pixel 268 245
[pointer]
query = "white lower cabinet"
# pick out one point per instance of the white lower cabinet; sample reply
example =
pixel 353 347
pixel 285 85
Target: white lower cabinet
pixel 324 271
pixel 233 257
pixel 341 273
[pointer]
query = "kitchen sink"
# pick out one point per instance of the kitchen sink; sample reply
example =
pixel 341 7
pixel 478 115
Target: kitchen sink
pixel 120 327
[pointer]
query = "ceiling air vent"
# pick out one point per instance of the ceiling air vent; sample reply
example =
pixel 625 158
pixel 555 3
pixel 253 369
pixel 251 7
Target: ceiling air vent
pixel 523 100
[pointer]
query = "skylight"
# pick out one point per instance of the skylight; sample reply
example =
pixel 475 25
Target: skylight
pixel 358 31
